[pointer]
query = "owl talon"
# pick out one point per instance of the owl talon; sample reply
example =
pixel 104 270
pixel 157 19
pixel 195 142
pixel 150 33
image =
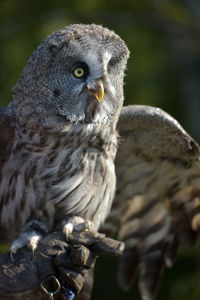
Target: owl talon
pixel 76 224
pixel 29 239
pixel 33 241
pixel 67 229
pixel 31 234
pixel 13 251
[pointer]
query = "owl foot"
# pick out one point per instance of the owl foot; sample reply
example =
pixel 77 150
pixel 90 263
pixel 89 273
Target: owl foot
pixel 30 236
pixel 76 223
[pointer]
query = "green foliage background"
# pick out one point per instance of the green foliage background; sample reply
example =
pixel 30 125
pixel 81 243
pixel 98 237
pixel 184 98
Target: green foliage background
pixel 164 71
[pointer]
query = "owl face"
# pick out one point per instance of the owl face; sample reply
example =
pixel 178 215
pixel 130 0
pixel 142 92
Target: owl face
pixel 77 73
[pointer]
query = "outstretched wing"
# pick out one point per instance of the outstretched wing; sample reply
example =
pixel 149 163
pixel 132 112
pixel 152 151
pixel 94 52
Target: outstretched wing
pixel 7 134
pixel 157 204
pixel 7 131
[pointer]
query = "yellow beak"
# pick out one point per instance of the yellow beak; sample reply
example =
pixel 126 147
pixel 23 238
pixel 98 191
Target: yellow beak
pixel 98 90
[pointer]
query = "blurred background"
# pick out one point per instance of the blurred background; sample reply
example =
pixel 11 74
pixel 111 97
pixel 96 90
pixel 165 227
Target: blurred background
pixel 163 70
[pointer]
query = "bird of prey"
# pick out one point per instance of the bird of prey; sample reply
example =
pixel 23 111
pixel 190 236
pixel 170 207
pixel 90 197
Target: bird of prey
pixel 59 138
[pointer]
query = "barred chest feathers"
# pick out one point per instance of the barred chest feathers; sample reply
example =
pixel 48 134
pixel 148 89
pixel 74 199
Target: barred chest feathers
pixel 50 176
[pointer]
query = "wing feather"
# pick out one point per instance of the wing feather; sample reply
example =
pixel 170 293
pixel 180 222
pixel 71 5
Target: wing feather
pixel 7 132
pixel 157 203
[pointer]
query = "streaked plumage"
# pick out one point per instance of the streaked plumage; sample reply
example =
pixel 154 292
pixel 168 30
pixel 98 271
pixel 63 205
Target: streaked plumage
pixel 65 141
pixel 157 201
pixel 58 146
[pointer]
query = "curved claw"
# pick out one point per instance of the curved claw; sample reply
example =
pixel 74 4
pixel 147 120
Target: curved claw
pixel 67 229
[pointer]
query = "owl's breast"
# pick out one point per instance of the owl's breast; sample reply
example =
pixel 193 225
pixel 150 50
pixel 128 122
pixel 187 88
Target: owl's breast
pixel 50 178
pixel 84 183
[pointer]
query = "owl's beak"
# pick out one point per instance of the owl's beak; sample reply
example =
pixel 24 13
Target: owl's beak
pixel 97 90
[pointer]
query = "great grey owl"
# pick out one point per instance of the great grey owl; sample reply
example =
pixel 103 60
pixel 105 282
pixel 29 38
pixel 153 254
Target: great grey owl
pixel 59 138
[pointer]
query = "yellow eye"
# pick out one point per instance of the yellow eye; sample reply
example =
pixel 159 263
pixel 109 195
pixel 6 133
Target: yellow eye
pixel 79 72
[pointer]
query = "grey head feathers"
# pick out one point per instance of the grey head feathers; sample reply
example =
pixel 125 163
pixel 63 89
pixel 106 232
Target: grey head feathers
pixel 48 90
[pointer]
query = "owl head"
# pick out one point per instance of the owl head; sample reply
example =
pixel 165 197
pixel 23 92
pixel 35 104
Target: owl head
pixel 75 75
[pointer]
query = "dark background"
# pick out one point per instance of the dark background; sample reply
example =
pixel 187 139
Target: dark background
pixel 163 70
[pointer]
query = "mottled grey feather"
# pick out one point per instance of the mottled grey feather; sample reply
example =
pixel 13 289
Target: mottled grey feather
pixel 7 135
pixel 157 202
pixel 7 132
pixel 62 159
